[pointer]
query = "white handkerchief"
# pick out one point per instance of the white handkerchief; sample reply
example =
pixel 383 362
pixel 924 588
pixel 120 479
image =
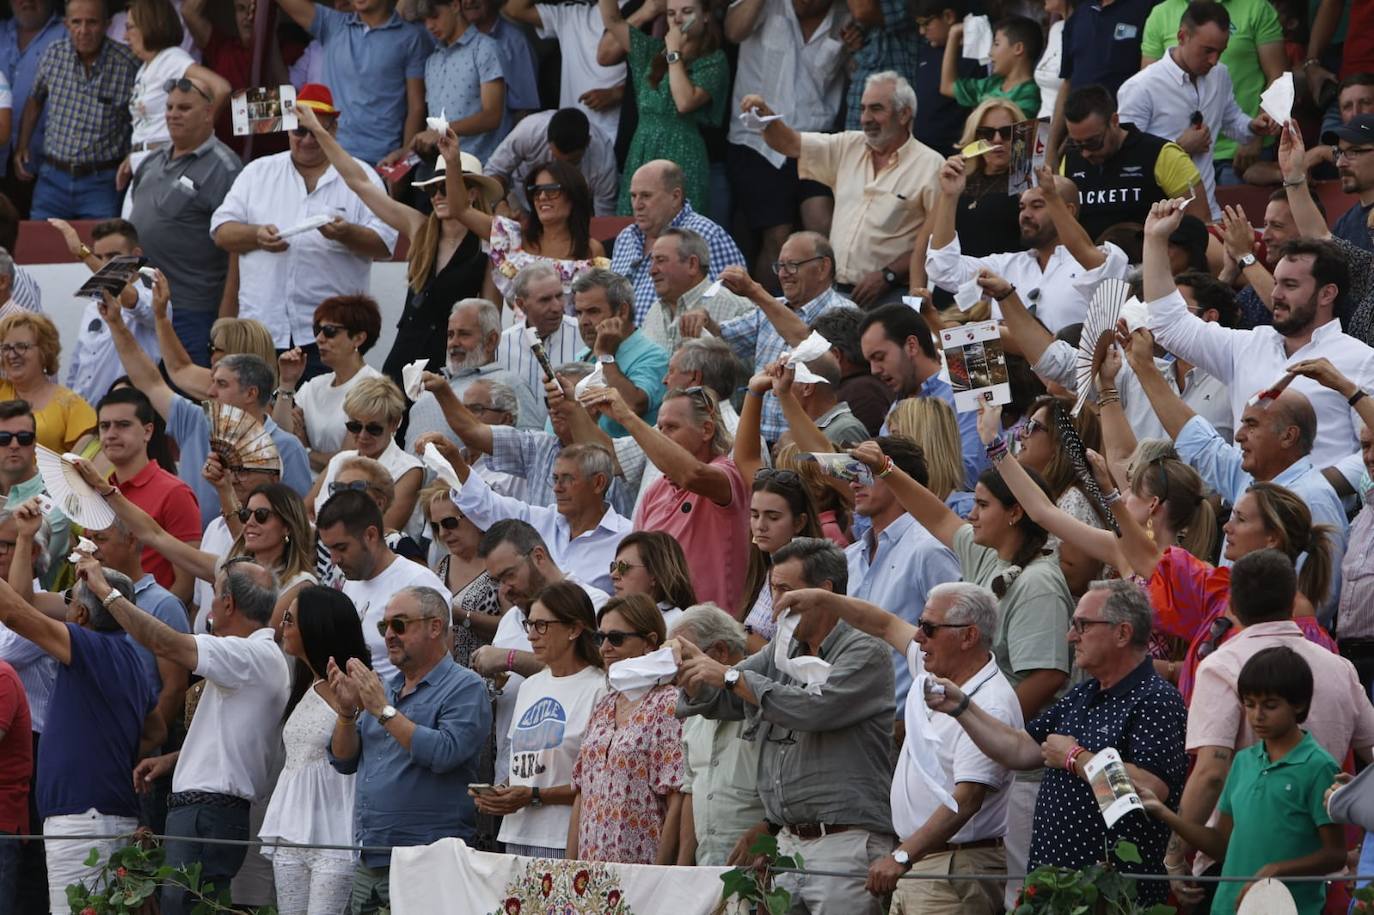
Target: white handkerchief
pixel 411 375
pixel 596 378
pixel 439 124
pixel 810 671
pixel 711 290
pixel 1277 100
pixel 922 747
pixel 813 347
pixel 442 468
pixel 83 549
pixel 913 301
pixel 968 295
pixel 309 224
pixel 803 375
pixel 531 336
pixel 1135 314
pixel 634 677
pixel 756 122
pixel 977 38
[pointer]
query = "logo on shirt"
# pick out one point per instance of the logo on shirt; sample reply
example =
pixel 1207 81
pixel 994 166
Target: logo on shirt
pixel 1133 170
pixel 541 727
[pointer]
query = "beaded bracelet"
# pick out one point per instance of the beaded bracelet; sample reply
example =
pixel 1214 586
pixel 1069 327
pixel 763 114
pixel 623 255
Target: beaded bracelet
pixel 1111 498
pixel 888 467
pixel 510 660
pixel 1071 758
pixel 997 449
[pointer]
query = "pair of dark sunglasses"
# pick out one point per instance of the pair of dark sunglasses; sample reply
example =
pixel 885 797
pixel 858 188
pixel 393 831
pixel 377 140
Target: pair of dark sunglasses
pixel 185 85
pixel 929 629
pixel 448 524
pixel 615 637
pixel 357 486
pixel 376 430
pixel 546 190
pixel 25 439
pixel 993 133
pixel 329 331
pixel 398 624
pixel 1215 633
pixel 785 477
pixel 259 515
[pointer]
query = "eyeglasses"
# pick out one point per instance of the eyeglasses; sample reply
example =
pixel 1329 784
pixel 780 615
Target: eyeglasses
pixel 1350 153
pixel 376 430
pixel 437 189
pixel 213 347
pixel 244 471
pixel 539 626
pixel 615 637
pixel 25 439
pixel 1215 633
pixel 15 349
pixel 449 524
pixel 68 596
pixel 1080 625
pixel 790 268
pixel 993 133
pixel 328 123
pixel 546 190
pixel 398 624
pixel 329 331
pixel 1091 144
pixel 356 486
pixel 185 85
pixel 287 619
pixel 482 408
pixel 1031 427
pixel 621 567
pixel 259 515
pixel 929 629
pixel 698 393
pixel 785 477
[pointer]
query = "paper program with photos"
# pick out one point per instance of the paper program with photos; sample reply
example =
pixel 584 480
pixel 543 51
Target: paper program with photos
pixel 267 109
pixel 977 365
pixel 1112 786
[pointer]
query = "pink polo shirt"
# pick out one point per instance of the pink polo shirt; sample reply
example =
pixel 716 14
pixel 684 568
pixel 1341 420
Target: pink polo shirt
pixel 714 538
pixel 1341 717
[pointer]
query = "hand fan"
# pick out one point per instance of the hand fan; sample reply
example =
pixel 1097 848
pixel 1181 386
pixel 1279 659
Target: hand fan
pixel 1268 897
pixel 239 439
pixel 71 492
pixel 1099 330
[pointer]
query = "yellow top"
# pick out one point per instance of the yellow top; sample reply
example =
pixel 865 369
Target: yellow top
pixel 61 424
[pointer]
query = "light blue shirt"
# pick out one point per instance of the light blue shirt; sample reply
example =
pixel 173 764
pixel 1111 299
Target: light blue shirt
pixel 1200 445
pixel 454 76
pixel 366 70
pixel 645 363
pixel 188 424
pixel 896 573
pixel 517 63
pixel 21 69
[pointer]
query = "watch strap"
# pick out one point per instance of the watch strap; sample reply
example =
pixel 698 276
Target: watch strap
pixel 1356 397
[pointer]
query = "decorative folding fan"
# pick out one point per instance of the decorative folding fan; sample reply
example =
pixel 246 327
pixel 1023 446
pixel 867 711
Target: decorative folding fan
pixel 1268 897
pixel 72 494
pixel 1099 329
pixel 239 439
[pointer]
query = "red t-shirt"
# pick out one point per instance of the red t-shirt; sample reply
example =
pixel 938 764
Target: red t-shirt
pixel 173 506
pixel 16 753
pixel 1358 53
pixel 714 538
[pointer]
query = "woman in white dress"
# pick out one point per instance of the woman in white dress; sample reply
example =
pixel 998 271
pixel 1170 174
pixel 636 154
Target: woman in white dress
pixel 312 803
pixel 154 34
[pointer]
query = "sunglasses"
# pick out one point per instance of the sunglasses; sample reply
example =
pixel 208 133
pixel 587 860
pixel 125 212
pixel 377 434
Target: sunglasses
pixel 993 133
pixel 259 515
pixel 1031 427
pixel 615 637
pixel 213 348
pixel 326 122
pixel 244 471
pixel 786 477
pixel 698 393
pixel 1215 633
pixel 929 629
pixel 356 486
pixel 539 626
pixel 436 189
pixel 449 524
pixel 287 619
pixel 376 430
pixel 1091 144
pixel 25 439
pixel 329 331
pixel 621 567
pixel 185 85
pixel 546 190
pixel 398 624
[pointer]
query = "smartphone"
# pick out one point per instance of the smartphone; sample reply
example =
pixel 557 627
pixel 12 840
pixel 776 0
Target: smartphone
pixel 481 789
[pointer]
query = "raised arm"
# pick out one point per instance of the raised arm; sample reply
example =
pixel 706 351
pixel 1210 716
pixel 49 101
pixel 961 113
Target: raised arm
pixel 1173 413
pixel 523 11
pixel 949 61
pixel 953 179
pixel 474 433
pixel 456 189
pixel 741 18
pixel 778 136
pixel 748 457
pixel 1072 235
pixel 687 95
pixel 1327 375
pixel 1006 745
pixel 149 631
pixel 193 15
pixel 1292 153
pixel 47 633
pixel 302 12
pixel 141 370
pixel 803 429
pixel 1118 438
pixel 922 504
pixel 860 614
pixel 615 23
pixel 788 323
pixel 185 374
pixel 217 85
pixel 1029 333
pixel 1238 237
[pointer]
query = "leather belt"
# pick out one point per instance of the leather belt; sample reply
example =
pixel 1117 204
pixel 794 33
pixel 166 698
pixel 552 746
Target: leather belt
pixel 977 843
pixel 82 169
pixel 812 830
pixel 205 799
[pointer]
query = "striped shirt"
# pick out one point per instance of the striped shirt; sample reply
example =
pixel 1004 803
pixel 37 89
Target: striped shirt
pixel 513 355
pixel 632 262
pixel 88 112
pixel 37 671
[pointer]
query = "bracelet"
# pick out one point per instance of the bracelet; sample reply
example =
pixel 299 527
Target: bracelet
pixel 960 708
pixel 510 660
pixel 999 298
pixel 1071 758
pixel 109 492
pixel 1106 400
pixel 997 449
pixel 888 467
pixel 83 252
pixel 1307 64
pixel 110 598
pixel 1111 498
pixel 753 393
pixel 1355 398
pixel 1296 182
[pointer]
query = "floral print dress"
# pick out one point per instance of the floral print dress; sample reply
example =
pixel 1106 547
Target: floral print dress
pixel 509 257
pixel 625 775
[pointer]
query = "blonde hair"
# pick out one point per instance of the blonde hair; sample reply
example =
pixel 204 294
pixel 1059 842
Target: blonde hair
pixel 376 397
pixel 1180 490
pixel 244 335
pixel 380 486
pixel 424 247
pixel 931 424
pixel 45 336
pixel 1288 518
pixel 721 442
pixel 975 120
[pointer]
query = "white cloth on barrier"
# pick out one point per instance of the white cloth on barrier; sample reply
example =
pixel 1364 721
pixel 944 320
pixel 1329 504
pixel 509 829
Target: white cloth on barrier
pixel 450 877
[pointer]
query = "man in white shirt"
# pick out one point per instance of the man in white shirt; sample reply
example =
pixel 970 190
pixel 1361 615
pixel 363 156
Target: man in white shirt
pixel 539 294
pixel 518 559
pixel 350 527
pixel 474 335
pixel 247 682
pixel 1310 278
pixel 1059 269
pixel 565 135
pixel 964 834
pixel 281 281
pixel 1187 94
pixel 791 53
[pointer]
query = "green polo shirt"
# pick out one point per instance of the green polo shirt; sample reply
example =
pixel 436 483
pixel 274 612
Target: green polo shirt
pixel 971 91
pixel 1275 809
pixel 1253 23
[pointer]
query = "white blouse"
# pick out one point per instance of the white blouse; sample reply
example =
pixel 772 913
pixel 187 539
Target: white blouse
pixel 312 802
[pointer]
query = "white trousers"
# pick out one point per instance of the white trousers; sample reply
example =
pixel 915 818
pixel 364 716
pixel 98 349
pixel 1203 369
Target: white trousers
pixel 67 860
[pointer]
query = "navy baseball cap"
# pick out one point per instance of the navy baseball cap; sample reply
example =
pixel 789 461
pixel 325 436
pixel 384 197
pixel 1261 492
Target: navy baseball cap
pixel 1359 130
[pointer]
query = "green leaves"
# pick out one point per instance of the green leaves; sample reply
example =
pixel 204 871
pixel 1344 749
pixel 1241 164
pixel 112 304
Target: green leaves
pixel 751 884
pixel 132 875
pixel 1127 852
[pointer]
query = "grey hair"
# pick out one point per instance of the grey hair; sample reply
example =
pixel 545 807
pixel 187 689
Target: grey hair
pixel 488 315
pixel 690 244
pixel 711 625
pixel 821 561
pixel 253 600
pixel 41 560
pixel 251 372
pixel 820 246
pixel 6 263
pixel 590 460
pixel 713 357
pixel 504 398
pixel 970 604
pixel 1126 603
pixel 576 370
pixel 903 96
pixel 102 620
pixel 536 271
pixel 620 295
pixel 431 603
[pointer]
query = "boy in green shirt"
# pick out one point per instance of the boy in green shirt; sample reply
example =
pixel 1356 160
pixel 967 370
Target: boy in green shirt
pixel 1016 46
pixel 1272 821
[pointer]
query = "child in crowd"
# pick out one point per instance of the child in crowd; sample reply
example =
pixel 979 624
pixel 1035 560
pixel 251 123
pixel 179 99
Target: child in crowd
pixel 941 119
pixel 1016 46
pixel 1272 821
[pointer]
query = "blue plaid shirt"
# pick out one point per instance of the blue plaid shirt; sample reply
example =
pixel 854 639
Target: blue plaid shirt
pixel 894 45
pixel 755 340
pixel 631 261
pixel 529 454
pixel 88 114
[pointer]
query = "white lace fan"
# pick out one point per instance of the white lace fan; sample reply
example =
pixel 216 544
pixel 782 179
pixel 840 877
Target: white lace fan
pixel 1099 329
pixel 1268 897
pixel 72 494
pixel 239 439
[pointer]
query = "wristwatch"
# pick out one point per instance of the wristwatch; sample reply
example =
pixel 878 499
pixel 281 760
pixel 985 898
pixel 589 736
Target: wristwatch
pixel 386 714
pixel 901 857
pixel 83 252
pixel 889 277
pixel 672 57
pixel 606 359
pixel 1247 260
pixel 731 678
pixel 535 799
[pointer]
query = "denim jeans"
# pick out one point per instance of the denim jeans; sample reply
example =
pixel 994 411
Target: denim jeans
pixel 60 195
pixel 218 863
pixel 9 872
pixel 193 330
